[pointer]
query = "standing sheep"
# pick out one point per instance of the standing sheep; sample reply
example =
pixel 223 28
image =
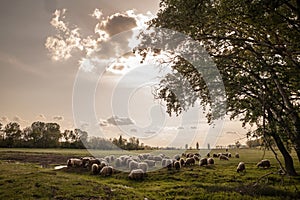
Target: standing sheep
pixel 182 162
pixel 215 155
pixel 264 164
pixel 203 161
pixel 136 174
pixel 210 161
pixel 237 155
pixel 241 167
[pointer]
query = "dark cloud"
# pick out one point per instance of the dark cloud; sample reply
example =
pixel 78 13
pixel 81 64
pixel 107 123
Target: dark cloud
pixel 118 23
pixel 119 121
pixel 58 118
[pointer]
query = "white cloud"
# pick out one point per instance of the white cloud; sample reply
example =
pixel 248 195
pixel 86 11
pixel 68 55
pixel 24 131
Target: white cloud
pixel 4 119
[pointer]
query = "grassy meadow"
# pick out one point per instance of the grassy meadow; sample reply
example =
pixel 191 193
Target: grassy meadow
pixel 30 174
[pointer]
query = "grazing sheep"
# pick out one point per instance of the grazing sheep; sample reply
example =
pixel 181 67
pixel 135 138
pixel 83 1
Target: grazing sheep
pixel 197 154
pixel 128 162
pixel 189 161
pixel 133 165
pixel 229 155
pixel 150 157
pixel 196 158
pixel 208 155
pixel 91 162
pixel 219 154
pixel 223 157
pixel 107 158
pixel 163 162
pixel 146 155
pixel 85 161
pixel 151 163
pixel 162 155
pixel 182 162
pixel 136 174
pixel 210 161
pixel 102 164
pixel 190 155
pixel 225 154
pixel 112 158
pixel 177 165
pixel 95 169
pixel 237 155
pixel 157 158
pixel 215 155
pixel 183 155
pixel 118 162
pixel 241 167
pixel 264 164
pixel 176 157
pixel 106 171
pixel 169 163
pixel 203 161
pixel 143 166
pixel 74 162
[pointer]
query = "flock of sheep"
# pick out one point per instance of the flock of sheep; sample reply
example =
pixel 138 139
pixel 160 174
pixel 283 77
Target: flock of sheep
pixel 139 165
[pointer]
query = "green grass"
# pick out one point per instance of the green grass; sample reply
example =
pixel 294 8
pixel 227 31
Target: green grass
pixel 20 180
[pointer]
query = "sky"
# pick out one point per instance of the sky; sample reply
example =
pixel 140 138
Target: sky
pixel 55 65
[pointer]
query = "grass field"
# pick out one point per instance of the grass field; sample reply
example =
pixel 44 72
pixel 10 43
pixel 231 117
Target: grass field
pixel 30 174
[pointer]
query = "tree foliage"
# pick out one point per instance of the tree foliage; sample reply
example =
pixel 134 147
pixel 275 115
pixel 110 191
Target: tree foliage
pixel 255 45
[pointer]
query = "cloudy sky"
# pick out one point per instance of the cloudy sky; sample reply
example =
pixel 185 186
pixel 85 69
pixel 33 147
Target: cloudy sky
pixel 50 48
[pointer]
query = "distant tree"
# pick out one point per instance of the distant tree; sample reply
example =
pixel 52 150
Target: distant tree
pixel 13 134
pixel 197 146
pixel 208 146
pixel 186 146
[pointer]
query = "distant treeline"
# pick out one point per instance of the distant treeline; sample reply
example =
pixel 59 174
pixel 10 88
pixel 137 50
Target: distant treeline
pixel 49 135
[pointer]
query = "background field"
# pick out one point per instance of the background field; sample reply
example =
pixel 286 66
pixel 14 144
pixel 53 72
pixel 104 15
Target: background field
pixel 30 174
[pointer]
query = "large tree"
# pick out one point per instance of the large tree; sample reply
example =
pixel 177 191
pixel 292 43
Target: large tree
pixel 255 45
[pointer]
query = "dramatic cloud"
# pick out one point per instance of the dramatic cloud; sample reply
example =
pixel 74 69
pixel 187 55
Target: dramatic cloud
pixel 67 40
pixel 117 23
pixel 41 117
pixel 58 118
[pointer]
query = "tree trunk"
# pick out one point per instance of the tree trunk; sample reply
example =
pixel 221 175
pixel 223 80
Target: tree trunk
pixel 288 160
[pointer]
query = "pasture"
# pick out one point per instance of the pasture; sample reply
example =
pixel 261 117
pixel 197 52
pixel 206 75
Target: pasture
pixel 30 174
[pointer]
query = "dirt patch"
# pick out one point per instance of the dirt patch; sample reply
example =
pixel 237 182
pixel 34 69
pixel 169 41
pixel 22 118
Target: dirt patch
pixel 44 159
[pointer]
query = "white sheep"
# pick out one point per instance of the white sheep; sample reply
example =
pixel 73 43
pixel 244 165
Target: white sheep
pixel 210 161
pixel 223 157
pixel 177 165
pixel 177 157
pixel 136 174
pixel 133 165
pixel 74 162
pixel 241 167
pixel 264 164
pixel 190 161
pixel 95 169
pixel 106 171
pixel 151 163
pixel 143 166
pixel 203 161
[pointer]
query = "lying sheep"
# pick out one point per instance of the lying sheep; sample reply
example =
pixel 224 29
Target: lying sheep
pixel 264 164
pixel 189 161
pixel 133 165
pixel 106 171
pixel 223 157
pixel 210 161
pixel 237 155
pixel 95 169
pixel 177 165
pixel 143 166
pixel 203 161
pixel 241 167
pixel 74 162
pixel 136 174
